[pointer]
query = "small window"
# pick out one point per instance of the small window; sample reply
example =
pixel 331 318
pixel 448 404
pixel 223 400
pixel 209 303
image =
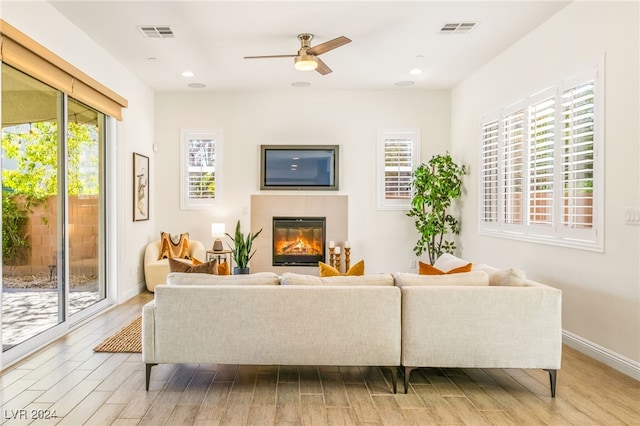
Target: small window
pixel 201 169
pixel 541 165
pixel 398 156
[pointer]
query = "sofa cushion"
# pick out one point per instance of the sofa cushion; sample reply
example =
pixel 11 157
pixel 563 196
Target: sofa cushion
pixel 291 278
pixel 504 277
pixel 473 278
pixel 426 269
pixel 329 271
pixel 260 278
pixel 210 267
pixel 174 246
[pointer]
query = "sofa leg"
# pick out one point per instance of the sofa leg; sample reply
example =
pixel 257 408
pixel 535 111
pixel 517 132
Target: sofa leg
pixel 407 373
pixel 148 374
pixel 553 378
pixel 394 378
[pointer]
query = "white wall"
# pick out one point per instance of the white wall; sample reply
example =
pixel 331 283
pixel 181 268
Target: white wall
pixel 43 23
pixel 601 291
pixel 384 239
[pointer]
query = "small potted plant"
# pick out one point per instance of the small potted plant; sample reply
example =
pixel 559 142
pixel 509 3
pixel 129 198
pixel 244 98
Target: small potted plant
pixel 435 186
pixel 241 249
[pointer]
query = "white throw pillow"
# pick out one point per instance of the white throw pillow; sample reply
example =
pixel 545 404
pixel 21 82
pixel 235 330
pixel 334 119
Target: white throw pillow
pixel 504 277
pixel 447 262
pixel 260 278
pixel 473 278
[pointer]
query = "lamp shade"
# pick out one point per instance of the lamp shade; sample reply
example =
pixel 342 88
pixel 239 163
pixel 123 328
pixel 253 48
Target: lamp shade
pixel 305 62
pixel 217 230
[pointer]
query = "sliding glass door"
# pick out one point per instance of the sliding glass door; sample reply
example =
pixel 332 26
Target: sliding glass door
pixel 52 212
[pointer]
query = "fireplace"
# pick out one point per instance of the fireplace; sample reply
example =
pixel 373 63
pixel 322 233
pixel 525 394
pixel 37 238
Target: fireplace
pixel 298 241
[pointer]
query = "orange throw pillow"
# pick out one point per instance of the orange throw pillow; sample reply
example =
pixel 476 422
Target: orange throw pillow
pixel 223 268
pixel 170 247
pixel 426 269
pixel 330 271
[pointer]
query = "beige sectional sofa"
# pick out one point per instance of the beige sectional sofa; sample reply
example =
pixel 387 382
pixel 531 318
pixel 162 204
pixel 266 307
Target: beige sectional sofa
pixel 486 318
pixel 254 320
pixel 497 319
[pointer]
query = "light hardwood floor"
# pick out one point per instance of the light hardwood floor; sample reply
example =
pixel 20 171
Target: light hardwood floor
pixel 83 387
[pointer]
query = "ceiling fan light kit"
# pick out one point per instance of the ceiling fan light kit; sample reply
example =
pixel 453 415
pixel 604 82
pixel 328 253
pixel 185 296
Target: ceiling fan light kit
pixel 305 62
pixel 307 57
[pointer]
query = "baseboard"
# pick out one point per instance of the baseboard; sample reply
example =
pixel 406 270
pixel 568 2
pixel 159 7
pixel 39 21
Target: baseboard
pixel 621 363
pixel 132 293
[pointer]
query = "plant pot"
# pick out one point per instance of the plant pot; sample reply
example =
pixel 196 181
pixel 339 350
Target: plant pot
pixel 240 271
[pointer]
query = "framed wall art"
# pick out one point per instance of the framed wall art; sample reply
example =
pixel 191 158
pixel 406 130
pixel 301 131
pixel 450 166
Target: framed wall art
pixel 140 187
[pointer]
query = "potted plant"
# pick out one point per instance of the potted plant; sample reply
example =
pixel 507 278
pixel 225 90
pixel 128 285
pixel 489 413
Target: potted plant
pixel 435 186
pixel 241 249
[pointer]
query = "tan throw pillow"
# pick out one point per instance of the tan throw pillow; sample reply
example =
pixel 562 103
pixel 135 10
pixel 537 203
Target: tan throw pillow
pixel 260 278
pixel 174 246
pixel 426 269
pixel 201 267
pixel 329 271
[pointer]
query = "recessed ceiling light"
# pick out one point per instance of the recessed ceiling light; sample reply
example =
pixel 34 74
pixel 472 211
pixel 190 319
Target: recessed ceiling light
pixel 187 74
pixel 151 58
pixel 301 84
pixel 415 71
pixel 404 83
pixel 197 85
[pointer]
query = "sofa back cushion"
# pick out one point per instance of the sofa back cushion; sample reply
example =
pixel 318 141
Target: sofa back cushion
pixel 260 278
pixel 473 278
pixel 290 278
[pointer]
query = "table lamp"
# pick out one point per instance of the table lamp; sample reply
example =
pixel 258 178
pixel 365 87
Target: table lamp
pixel 217 231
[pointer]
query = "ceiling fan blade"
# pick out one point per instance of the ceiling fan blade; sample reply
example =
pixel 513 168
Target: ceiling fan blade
pixel 322 67
pixel 270 56
pixel 328 45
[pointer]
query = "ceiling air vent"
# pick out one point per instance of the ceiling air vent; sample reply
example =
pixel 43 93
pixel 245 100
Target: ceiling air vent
pixel 156 31
pixel 457 28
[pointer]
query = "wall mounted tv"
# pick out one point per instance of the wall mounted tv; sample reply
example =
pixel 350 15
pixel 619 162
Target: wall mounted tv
pixel 312 167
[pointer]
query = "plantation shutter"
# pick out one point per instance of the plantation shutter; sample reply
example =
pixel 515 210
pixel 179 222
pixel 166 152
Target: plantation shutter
pixel 397 158
pixel 513 167
pixel 398 166
pixel 578 153
pixel 541 162
pixel 490 153
pixel 200 168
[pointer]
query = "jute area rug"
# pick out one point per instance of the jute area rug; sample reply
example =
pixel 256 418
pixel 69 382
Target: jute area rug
pixel 128 339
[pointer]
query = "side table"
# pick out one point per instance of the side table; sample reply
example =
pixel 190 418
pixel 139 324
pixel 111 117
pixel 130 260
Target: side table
pixel 220 256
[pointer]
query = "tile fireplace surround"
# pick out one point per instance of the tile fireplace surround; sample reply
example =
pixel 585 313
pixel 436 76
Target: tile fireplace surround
pixel 265 207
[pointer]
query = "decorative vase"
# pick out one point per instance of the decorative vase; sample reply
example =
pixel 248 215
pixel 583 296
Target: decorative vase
pixel 240 271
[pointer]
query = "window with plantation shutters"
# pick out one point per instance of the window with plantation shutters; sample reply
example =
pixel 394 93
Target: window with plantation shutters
pixel 541 168
pixel 397 159
pixel 200 169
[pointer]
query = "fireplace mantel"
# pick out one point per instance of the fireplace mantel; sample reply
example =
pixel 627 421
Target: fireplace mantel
pixel 264 207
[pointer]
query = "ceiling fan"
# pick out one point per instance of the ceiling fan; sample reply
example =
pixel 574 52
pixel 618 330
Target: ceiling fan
pixel 307 57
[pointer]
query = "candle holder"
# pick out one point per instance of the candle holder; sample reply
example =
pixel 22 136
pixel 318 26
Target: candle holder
pixel 337 266
pixel 332 256
pixel 347 258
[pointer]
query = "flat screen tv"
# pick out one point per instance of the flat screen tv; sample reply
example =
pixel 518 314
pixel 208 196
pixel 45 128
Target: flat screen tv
pixel 313 167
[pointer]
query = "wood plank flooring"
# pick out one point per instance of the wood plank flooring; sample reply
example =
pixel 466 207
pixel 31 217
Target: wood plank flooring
pixel 87 388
